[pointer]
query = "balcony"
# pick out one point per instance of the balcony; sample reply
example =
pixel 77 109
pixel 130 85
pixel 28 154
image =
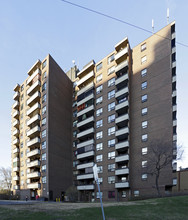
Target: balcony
pixel 122 106
pixel 34 87
pixel 15 123
pixel 33 141
pixel 86 132
pixel 16 187
pixel 33 108
pixel 30 79
pixel 174 122
pixel 121 53
pixel 174 108
pixel 33 175
pixel 34 98
pixel 33 119
pixel 86 121
pixel 174 64
pixel 16 105
pixel 121 79
pixel 16 88
pixel 86 187
pixel 86 110
pixel 122 65
pixel 16 159
pixel 122 132
pixel 85 78
pixel 173 79
pixel 173 49
pixel 86 99
pixel 123 43
pixel 33 153
pixel 121 120
pixel 15 141
pixel 85 176
pixel 85 165
pixel 122 171
pixel 89 65
pixel 86 88
pixel 174 93
pixel 16 150
pixel 122 185
pixel 15 114
pixel 34 186
pixel 122 145
pixel 122 92
pixel 33 131
pixel 35 163
pixel 122 158
pixel 175 137
pixel 86 155
pixel 16 178
pixel 15 132
pixel 85 143
pixel 16 169
pixel 16 96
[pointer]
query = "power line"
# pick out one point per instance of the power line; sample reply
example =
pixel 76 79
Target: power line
pixel 121 21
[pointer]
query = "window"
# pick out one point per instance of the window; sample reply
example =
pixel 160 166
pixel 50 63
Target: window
pixel 111 70
pixel 173 57
pixel 111 155
pixel 144 137
pixel 111 167
pixel 75 113
pixel 144 150
pixel 111 194
pixel 44 179
pixel 44 87
pixel 111 179
pixel 44 64
pixel 22 87
pixel 44 110
pixel 144 85
pixel 44 98
pixel 99 78
pixel 99 169
pixel 99 146
pixel 44 156
pixel 74 133
pixel 98 196
pixel 111 58
pixel 99 100
pixel 22 97
pixel 99 89
pixel 99 135
pixel 99 158
pixel 143 47
pixel 174 181
pixel 144 72
pixel 100 180
pixel 111 106
pixel 44 168
pixel 144 98
pixel 123 194
pixel 74 144
pixel 99 123
pixel 99 111
pixel 74 123
pixel 111 118
pixel 144 124
pixel 44 75
pixel 44 145
pixel 43 121
pixel 144 111
pixel 111 94
pixel 44 133
pixel 136 193
pixel 144 163
pixel 21 145
pixel 22 173
pixel 21 135
pixel 98 67
pixel 21 116
pixel 21 106
pixel 75 163
pixel 143 59
pixel 21 154
pixel 111 143
pixel 111 82
pixel 74 104
pixel 144 176
pixel 173 43
pixel 111 131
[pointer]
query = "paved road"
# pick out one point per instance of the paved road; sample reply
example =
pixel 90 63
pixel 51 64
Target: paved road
pixel 15 202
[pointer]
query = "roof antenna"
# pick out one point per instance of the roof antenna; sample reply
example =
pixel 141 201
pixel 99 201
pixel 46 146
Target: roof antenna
pixel 168 15
pixel 152 24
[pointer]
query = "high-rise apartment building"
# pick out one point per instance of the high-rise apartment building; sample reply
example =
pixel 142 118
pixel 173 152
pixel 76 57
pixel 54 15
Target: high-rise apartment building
pixel 112 114
pixel 41 132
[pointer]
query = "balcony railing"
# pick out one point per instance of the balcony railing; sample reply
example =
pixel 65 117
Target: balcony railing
pixel 35 97
pixel 85 176
pixel 33 108
pixel 86 88
pixel 33 76
pixel 15 141
pixel 122 105
pixel 16 150
pixel 33 175
pixel 15 105
pixel 121 158
pixel 16 178
pixel 122 131
pixel 34 87
pixel 16 96
pixel 122 92
pixel 84 111
pixel 86 132
pixel 15 114
pixel 122 171
pixel 122 65
pixel 85 78
pixel 34 186
pixel 33 153
pixel 85 143
pixel 121 53
pixel 15 123
pixel 86 121
pixel 35 163
pixel 91 96
pixel 16 169
pixel 121 79
pixel 86 187
pixel 122 118
pixel 122 185
pixel 122 145
pixel 33 142
pixel 33 119
pixel 15 132
pixel 86 154
pixel 85 165
pixel 90 64
pixel 32 131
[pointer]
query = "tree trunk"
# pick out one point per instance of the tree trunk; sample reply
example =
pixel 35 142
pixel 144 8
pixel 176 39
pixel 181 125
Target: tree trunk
pixel 157 184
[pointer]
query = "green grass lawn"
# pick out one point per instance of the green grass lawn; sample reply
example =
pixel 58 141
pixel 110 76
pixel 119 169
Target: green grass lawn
pixel 165 208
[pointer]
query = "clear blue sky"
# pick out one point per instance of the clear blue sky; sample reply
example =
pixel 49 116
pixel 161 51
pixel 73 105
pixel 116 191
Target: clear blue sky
pixel 32 29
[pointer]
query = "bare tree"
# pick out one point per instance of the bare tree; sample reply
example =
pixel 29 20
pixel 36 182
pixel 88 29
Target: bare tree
pixel 5 178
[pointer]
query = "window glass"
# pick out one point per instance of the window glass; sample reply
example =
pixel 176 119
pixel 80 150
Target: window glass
pixel 111 155
pixel 144 98
pixel 111 106
pixel 44 110
pixel 99 158
pixel 143 47
pixel 144 72
pixel 44 98
pixel 144 124
pixel 111 131
pixel 111 70
pixel 111 194
pixel 98 67
pixel 143 59
pixel 111 118
pixel 111 167
pixel 111 143
pixel 144 176
pixel 144 150
pixel 99 111
pixel 144 137
pixel 111 94
pixel 99 146
pixel 144 111
pixel 144 163
pixel 99 123
pixel 111 58
pixel 99 169
pixel 43 121
pixel 99 135
pixel 111 82
pixel 99 78
pixel 144 85
pixel 99 89
pixel 44 133
pixel 111 179
pixel 99 100
pixel 44 156
pixel 44 145
pixel 44 64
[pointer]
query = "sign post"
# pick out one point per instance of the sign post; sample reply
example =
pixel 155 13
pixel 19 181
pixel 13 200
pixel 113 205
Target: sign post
pixel 96 179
